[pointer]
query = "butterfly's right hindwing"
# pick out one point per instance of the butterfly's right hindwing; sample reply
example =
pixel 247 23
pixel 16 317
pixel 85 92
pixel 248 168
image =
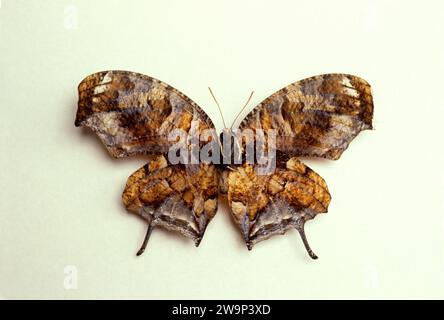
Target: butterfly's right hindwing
pixel 266 205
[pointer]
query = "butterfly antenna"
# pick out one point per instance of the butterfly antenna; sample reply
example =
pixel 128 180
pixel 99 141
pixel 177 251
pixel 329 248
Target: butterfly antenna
pixel 218 106
pixel 245 105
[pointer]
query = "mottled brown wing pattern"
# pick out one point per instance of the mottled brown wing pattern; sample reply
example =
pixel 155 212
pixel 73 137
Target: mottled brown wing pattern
pixel 266 205
pixel 316 117
pixel 133 113
pixel 179 198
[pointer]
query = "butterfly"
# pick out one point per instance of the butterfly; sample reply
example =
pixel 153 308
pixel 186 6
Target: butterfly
pixel 134 114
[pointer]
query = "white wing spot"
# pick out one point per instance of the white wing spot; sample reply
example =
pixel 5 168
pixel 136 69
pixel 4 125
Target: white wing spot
pixel 348 88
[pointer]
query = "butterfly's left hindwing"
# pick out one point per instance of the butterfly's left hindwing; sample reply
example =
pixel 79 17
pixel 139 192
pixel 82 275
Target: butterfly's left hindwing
pixel 179 198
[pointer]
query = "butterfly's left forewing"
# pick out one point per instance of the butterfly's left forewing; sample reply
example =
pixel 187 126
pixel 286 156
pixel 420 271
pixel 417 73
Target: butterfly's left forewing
pixel 134 114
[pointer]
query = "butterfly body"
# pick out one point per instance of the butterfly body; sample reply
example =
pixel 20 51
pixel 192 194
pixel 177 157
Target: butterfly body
pixel 254 167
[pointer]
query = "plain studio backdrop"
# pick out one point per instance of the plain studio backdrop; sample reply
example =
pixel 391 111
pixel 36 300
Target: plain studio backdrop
pixel 64 232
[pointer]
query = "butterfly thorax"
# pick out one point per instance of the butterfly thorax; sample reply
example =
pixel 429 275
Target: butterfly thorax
pixel 230 149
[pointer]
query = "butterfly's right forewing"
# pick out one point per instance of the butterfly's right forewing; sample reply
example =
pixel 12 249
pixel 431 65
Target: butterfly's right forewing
pixel 315 117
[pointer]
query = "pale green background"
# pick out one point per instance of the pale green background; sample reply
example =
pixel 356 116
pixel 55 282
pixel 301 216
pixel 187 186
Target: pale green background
pixel 60 192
